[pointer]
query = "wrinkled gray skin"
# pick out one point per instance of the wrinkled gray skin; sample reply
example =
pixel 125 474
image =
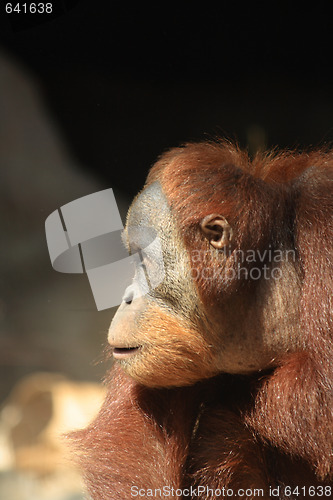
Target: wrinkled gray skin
pixel 244 335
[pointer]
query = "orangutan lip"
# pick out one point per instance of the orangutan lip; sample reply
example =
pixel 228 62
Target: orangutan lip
pixel 124 352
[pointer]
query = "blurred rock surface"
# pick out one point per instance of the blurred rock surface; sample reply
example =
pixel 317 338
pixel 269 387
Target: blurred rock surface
pixel 35 460
pixel 48 320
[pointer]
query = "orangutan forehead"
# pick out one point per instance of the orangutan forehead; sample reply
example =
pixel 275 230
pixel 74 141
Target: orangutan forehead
pixel 148 214
pixel 150 207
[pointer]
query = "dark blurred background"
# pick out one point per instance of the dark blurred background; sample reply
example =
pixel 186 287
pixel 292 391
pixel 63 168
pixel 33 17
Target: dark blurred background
pixel 126 81
pixel 91 95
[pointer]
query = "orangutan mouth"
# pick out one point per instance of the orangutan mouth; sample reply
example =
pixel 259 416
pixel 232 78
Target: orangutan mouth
pixel 124 352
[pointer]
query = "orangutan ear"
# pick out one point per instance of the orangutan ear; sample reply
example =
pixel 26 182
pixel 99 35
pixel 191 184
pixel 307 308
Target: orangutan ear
pixel 217 230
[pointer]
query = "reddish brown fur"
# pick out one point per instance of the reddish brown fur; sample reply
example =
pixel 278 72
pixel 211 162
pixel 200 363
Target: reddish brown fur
pixel 126 446
pixel 188 361
pixel 234 431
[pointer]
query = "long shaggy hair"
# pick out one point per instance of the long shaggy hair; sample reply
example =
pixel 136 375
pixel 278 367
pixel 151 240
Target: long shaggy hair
pixel 258 431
